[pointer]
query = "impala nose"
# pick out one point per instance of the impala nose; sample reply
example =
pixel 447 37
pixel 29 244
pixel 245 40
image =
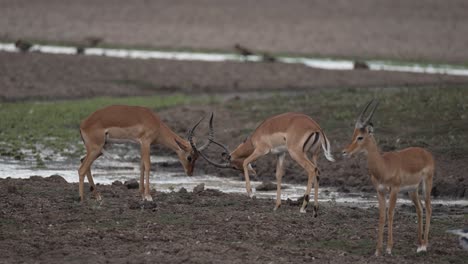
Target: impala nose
pixel 344 153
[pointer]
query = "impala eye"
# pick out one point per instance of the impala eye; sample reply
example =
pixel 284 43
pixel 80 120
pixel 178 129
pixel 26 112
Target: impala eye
pixel 189 158
pixel 360 138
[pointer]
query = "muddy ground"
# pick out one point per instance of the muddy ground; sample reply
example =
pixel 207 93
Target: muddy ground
pixel 35 76
pixel 41 221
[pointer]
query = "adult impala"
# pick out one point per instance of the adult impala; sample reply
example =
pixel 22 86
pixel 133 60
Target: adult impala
pixel 119 123
pixel 394 172
pixel 294 133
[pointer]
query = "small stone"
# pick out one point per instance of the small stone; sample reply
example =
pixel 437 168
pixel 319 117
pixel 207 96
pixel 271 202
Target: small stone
pixel 199 188
pixel 266 186
pixel 132 184
pixel 117 183
pixel 183 190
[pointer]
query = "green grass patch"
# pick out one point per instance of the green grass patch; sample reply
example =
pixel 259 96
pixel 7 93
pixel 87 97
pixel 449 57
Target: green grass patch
pixel 435 118
pixel 29 126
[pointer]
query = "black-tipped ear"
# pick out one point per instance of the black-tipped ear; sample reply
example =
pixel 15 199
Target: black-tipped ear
pixel 181 145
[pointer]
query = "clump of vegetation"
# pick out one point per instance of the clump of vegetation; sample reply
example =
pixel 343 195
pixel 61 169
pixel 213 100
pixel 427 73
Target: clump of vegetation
pixel 26 125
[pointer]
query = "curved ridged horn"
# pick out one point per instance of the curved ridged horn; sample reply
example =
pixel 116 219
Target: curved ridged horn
pixel 369 117
pixel 360 122
pixel 210 135
pixel 211 139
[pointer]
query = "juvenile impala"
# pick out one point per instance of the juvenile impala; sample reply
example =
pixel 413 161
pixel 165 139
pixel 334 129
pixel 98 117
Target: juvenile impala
pixel 394 172
pixel 294 133
pixel 119 123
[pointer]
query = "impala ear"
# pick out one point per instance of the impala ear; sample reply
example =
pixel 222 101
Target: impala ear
pixel 370 128
pixel 181 145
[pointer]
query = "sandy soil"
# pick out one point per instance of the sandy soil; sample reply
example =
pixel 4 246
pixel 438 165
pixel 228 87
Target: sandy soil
pixel 41 221
pixel 408 30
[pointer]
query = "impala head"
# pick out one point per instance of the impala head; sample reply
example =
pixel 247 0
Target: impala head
pixel 187 157
pixel 230 159
pixel 188 154
pixel 363 132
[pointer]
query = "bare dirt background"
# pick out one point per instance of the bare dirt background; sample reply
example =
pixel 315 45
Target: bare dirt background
pixel 41 220
pixel 409 30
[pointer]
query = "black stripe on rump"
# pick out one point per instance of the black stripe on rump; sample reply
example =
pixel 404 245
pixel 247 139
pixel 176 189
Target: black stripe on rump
pixel 308 139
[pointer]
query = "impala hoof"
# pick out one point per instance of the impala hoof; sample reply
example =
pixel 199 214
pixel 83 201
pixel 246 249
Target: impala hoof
pixel 422 248
pixel 303 210
pixel 377 253
pixel 98 197
pixel 389 251
pixel 148 198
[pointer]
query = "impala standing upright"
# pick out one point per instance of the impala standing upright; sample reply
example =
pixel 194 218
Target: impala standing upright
pixel 119 123
pixel 394 172
pixel 292 133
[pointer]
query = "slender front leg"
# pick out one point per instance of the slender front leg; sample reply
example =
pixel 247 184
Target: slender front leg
pixel 417 203
pixel 142 179
pixel 427 204
pixel 391 211
pixel 382 207
pixel 279 175
pixel 145 157
pixel 255 155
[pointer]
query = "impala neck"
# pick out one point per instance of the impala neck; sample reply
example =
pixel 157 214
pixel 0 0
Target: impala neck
pixel 243 150
pixel 375 161
pixel 168 138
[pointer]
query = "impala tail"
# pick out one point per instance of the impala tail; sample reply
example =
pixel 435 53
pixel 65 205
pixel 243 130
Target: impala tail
pixel 326 147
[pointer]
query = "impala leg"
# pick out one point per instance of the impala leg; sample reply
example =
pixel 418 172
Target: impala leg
pixel 92 186
pixel 391 211
pixel 85 166
pixel 279 175
pixel 255 155
pixel 301 158
pixel 382 207
pixel 145 157
pixel 142 179
pixel 428 189
pixel 417 203
pixel 316 187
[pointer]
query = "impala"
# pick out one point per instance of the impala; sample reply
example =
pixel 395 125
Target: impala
pixel 394 172
pixel 120 123
pixel 293 133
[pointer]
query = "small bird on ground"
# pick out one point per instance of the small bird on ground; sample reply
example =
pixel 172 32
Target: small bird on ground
pixel 243 50
pixel 22 45
pixel 463 236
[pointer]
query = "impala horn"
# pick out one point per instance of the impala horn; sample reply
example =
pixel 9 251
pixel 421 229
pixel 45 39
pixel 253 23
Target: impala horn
pixel 361 122
pixel 210 140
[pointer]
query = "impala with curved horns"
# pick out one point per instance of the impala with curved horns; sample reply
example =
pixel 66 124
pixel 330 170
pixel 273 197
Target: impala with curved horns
pixel 293 133
pixel 121 123
pixel 394 172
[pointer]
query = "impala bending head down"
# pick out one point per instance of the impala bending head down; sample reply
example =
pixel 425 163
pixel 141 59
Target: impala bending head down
pixel 122 123
pixel 292 133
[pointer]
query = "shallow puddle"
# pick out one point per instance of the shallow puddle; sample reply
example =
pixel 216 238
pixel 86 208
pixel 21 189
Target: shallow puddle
pixel 170 177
